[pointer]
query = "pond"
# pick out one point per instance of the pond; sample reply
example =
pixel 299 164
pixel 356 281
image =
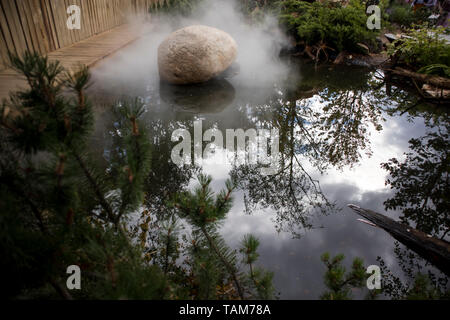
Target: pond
pixel 337 126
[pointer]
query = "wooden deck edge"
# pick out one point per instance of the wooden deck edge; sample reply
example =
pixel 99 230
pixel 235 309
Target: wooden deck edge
pixel 10 80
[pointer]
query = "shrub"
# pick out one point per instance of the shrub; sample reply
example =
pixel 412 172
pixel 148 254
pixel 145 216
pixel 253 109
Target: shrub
pixel 182 7
pixel 406 17
pixel 437 69
pixel 339 27
pixel 423 47
pixel 60 205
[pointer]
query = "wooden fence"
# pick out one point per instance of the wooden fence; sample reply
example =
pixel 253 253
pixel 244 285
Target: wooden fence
pixel 40 25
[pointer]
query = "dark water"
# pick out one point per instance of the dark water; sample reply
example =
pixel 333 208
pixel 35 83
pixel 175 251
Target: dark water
pixel 337 126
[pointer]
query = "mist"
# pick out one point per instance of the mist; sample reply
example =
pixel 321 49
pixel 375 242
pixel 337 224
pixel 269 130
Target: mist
pixel 258 49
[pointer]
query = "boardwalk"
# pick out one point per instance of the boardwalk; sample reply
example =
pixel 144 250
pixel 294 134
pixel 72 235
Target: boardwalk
pixel 87 52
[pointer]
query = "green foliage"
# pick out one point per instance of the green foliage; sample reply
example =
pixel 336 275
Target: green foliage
pixel 182 7
pixel 422 289
pixel 418 283
pixel 424 47
pixel 405 16
pixel 64 208
pixel 205 211
pixel 168 242
pixel 338 281
pixel 249 246
pixel 62 123
pixel 260 279
pixel 436 69
pixel 201 208
pixel 256 10
pixel 421 182
pixel 339 27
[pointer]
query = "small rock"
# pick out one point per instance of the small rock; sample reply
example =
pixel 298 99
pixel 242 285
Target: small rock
pixel 436 92
pixel 364 48
pixel 390 36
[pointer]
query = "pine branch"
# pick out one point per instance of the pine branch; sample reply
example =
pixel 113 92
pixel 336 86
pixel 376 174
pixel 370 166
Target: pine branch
pixel 100 197
pixel 9 181
pixel 231 270
pixel 60 289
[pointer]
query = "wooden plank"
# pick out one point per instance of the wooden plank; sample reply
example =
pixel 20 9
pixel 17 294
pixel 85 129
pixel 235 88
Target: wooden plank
pixel 98 9
pixel 115 13
pixel 79 34
pixel 15 27
pixel 108 14
pixel 40 25
pixel 93 17
pixel 22 8
pixel 70 34
pixel 6 31
pixel 96 16
pixel 59 15
pixel 85 18
pixel 33 27
pixel 42 34
pixel 50 23
pixel 89 51
pixel 14 82
pixel 432 249
pixel 103 18
pixel 4 60
pixel 86 26
pixel 89 16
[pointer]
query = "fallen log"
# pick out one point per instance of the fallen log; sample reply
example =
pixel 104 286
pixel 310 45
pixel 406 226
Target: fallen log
pixel 433 80
pixel 432 249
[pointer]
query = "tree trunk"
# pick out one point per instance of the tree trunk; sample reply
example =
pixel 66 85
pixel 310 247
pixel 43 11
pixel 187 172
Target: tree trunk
pixel 433 80
pixel 432 249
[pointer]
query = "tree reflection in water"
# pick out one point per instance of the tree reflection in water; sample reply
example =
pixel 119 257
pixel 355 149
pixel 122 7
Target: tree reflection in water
pixel 321 126
pixel 325 121
pixel 421 182
pixel 418 279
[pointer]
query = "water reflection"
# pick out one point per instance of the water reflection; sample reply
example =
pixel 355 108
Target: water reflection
pixel 198 98
pixel 336 127
pixel 321 125
pixel 416 278
pixel 421 181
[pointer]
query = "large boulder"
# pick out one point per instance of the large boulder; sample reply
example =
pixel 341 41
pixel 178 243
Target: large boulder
pixel 195 54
